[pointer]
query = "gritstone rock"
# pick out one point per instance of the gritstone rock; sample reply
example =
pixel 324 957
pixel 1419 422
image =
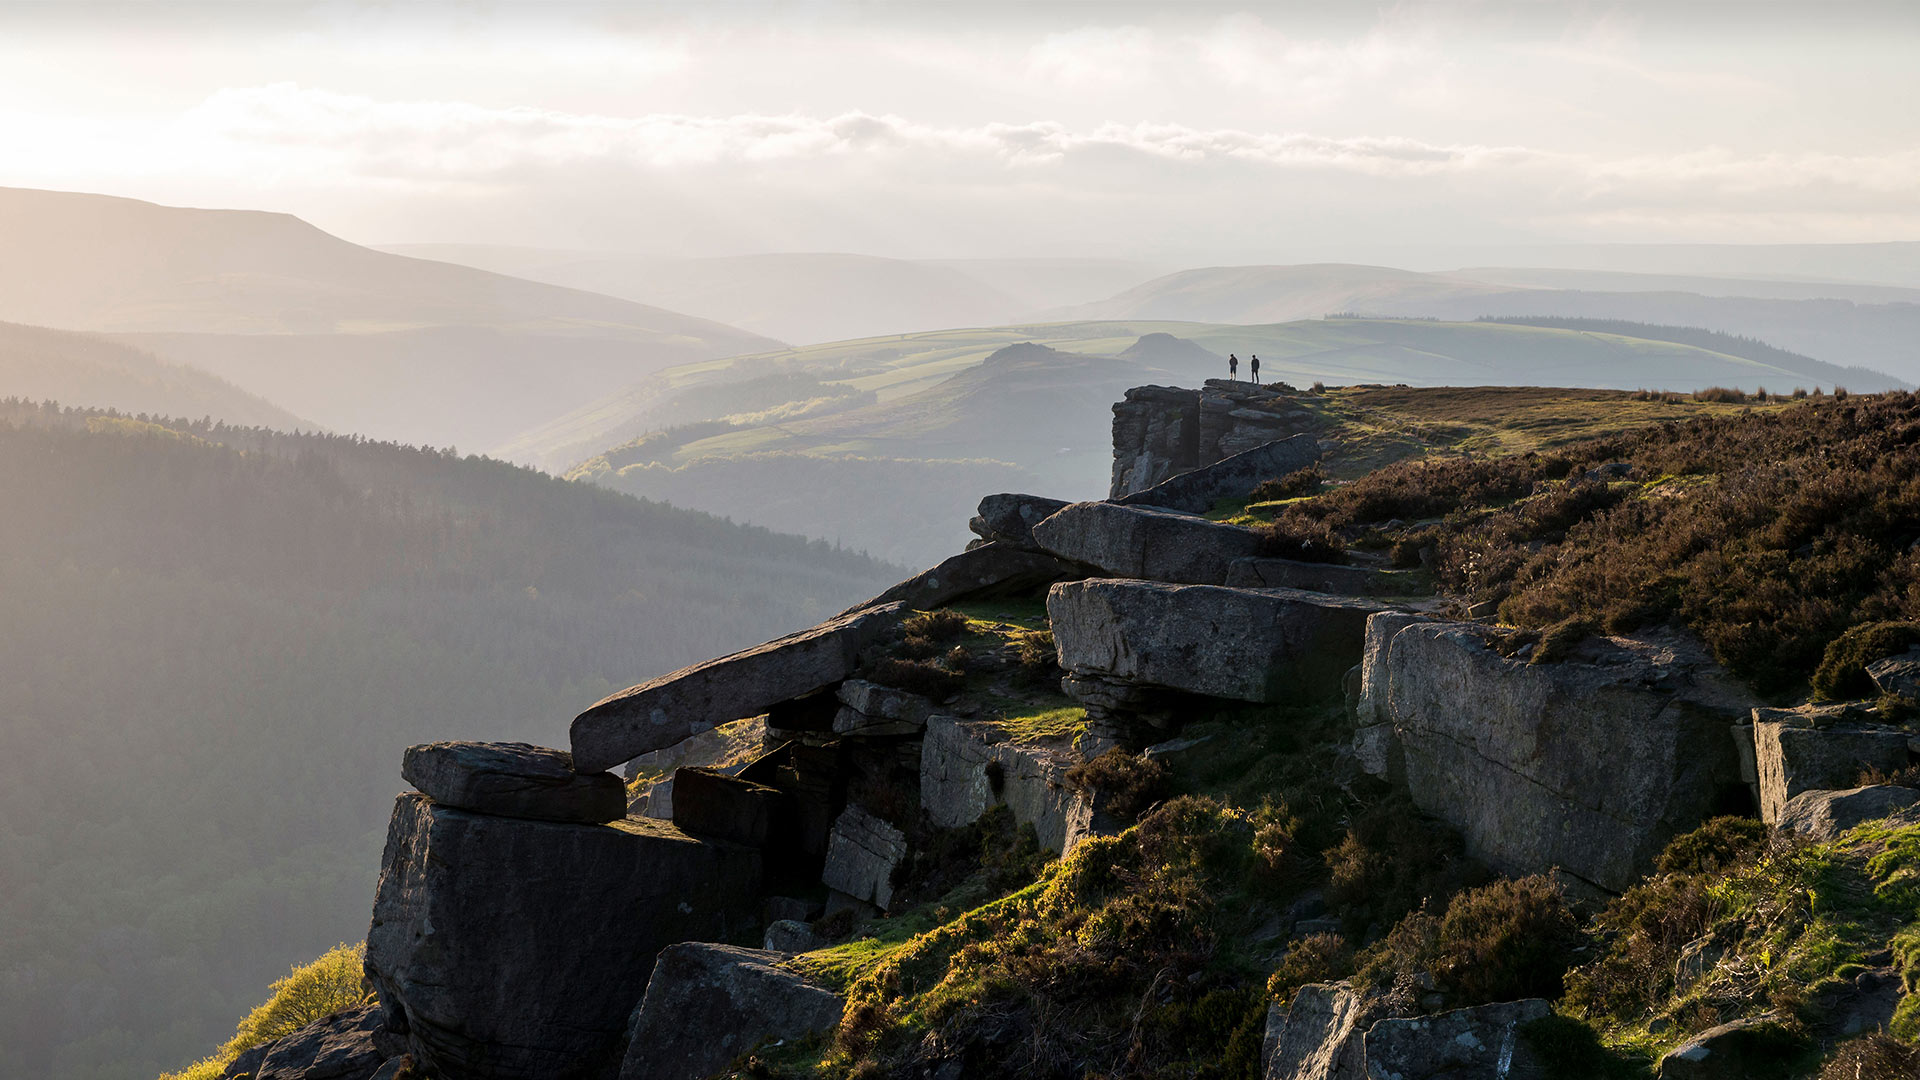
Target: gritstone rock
pixel 862 852
pixel 337 1047
pixel 1234 477
pixel 507 949
pixel 1009 518
pixel 1823 815
pixel 1792 758
pixel 1318 1037
pixel 1736 1051
pixel 707 1004
pixel 1146 542
pixel 1899 675
pixel 1262 645
pixel 992 569
pixel 707 802
pixel 871 710
pixel 1259 573
pixel 668 709
pixel 968 766
pixel 513 780
pixel 1480 1043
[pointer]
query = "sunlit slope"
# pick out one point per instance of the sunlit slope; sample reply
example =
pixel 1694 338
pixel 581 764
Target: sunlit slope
pixel 37 364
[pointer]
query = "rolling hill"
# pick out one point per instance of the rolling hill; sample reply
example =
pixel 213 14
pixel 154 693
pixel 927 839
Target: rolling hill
pixel 346 336
pixel 37 364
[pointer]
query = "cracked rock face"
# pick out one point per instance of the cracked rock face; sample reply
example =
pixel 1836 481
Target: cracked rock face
pixel 1318 1037
pixel 1794 757
pixel 996 568
pixel 1590 765
pixel 1146 542
pixel 513 780
pixel 337 1047
pixel 1483 1041
pixel 708 1004
pixel 862 852
pixel 1234 477
pixel 1820 816
pixel 969 766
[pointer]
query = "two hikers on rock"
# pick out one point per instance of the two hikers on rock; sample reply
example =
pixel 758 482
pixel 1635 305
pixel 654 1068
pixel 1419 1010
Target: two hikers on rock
pixel 1253 366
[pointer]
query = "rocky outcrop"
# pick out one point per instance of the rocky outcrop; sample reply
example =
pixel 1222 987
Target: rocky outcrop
pixel 1260 645
pixel 1146 542
pixel 862 854
pixel 1733 1051
pixel 707 802
pixel 1820 816
pixel 666 710
pixel 1197 490
pixel 1376 745
pixel 1319 1036
pixel 1009 518
pixel 1794 756
pixel 707 1004
pixel 1590 765
pixel 1897 675
pixel 991 569
pixel 1480 1043
pixel 970 766
pixel 506 949
pixel 870 710
pixel 1162 431
pixel 1333 578
pixel 514 780
pixel 336 1047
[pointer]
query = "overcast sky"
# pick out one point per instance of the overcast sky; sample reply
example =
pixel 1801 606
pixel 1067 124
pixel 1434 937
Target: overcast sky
pixel 1189 132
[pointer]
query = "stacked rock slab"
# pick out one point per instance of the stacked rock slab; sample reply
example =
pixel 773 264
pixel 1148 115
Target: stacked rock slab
pixel 1820 816
pixel 1818 750
pixel 513 780
pixel 1234 477
pixel 1146 542
pixel 862 852
pixel 1335 578
pixel 666 710
pixel 969 766
pixel 1162 431
pixel 991 569
pixel 707 1004
pixel 1009 518
pixel 1590 765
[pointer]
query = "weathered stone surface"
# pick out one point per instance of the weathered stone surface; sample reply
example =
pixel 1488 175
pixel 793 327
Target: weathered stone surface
pixel 664 711
pixel 707 802
pixel 1371 705
pixel 1265 573
pixel 515 780
pixel 1736 1051
pixel 1824 815
pixel 1377 749
pixel 872 710
pixel 791 936
pixel 1898 675
pixel 1792 759
pixel 248 1063
pixel 707 1004
pixel 992 569
pixel 1146 542
pixel 862 852
pixel 507 949
pixel 1319 1037
pixel 1590 765
pixel 1480 1043
pixel 1010 518
pixel 1264 645
pixel 400 1068
pixel 1161 431
pixel 968 766
pixel 1234 477
pixel 337 1047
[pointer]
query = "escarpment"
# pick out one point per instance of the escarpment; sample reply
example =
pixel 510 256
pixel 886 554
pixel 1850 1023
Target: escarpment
pixel 1083 667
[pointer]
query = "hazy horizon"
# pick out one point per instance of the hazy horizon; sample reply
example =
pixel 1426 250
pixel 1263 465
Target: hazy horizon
pixel 1205 135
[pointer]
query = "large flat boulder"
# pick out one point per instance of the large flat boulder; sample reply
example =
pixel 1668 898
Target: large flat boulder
pixel 1269 573
pixel 509 949
pixel 1146 542
pixel 1320 1036
pixel 666 710
pixel 514 780
pixel 1590 765
pixel 869 710
pixel 1743 1049
pixel 1009 518
pixel 1820 816
pixel 708 802
pixel 991 569
pixel 336 1047
pixel 1234 477
pixel 707 1004
pixel 1793 756
pixel 862 852
pixel 1262 645
pixel 1479 1043
pixel 969 766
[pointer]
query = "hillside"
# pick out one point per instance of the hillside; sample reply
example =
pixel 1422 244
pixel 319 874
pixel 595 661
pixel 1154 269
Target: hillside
pixel 343 335
pixel 38 364
pixel 218 640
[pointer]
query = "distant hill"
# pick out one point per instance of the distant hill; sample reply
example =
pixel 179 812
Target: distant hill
pixel 217 643
pixel 309 321
pixel 37 364
pixel 1271 294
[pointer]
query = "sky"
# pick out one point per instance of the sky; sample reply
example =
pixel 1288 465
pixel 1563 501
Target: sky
pixel 1191 132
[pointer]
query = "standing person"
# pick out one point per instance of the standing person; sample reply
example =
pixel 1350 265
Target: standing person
pixel 1254 365
pixel 1233 367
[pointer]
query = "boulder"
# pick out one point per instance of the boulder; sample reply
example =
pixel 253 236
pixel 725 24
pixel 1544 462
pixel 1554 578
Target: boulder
pixel 1590 765
pixel 666 710
pixel 1235 477
pixel 791 936
pixel 1156 433
pixel 1480 1043
pixel 862 852
pixel 248 1063
pixel 1146 542
pixel 1742 1050
pixel 1823 815
pixel 1267 573
pixel 1792 758
pixel 1370 707
pixel 513 780
pixel 336 1047
pixel 509 949
pixel 1898 675
pixel 707 1004
pixel 1009 518
pixel 968 766
pixel 870 709
pixel 400 1068
pixel 992 569
pixel 1262 645
pixel 708 802
pixel 1319 1037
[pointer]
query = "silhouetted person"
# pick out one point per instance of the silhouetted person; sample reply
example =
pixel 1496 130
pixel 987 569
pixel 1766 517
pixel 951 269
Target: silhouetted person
pixel 1233 366
pixel 1253 365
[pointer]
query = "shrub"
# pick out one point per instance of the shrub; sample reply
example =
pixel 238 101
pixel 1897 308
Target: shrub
pixel 924 677
pixel 1299 482
pixel 1315 958
pixel 1307 541
pixel 1568 1049
pixel 1872 1057
pixel 1390 861
pixel 943 625
pixel 1038 658
pixel 1721 394
pixel 1718 845
pixel 1906 776
pixel 1842 673
pixel 1501 941
pixel 1127 783
pixel 330 983
pixel 1558 641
